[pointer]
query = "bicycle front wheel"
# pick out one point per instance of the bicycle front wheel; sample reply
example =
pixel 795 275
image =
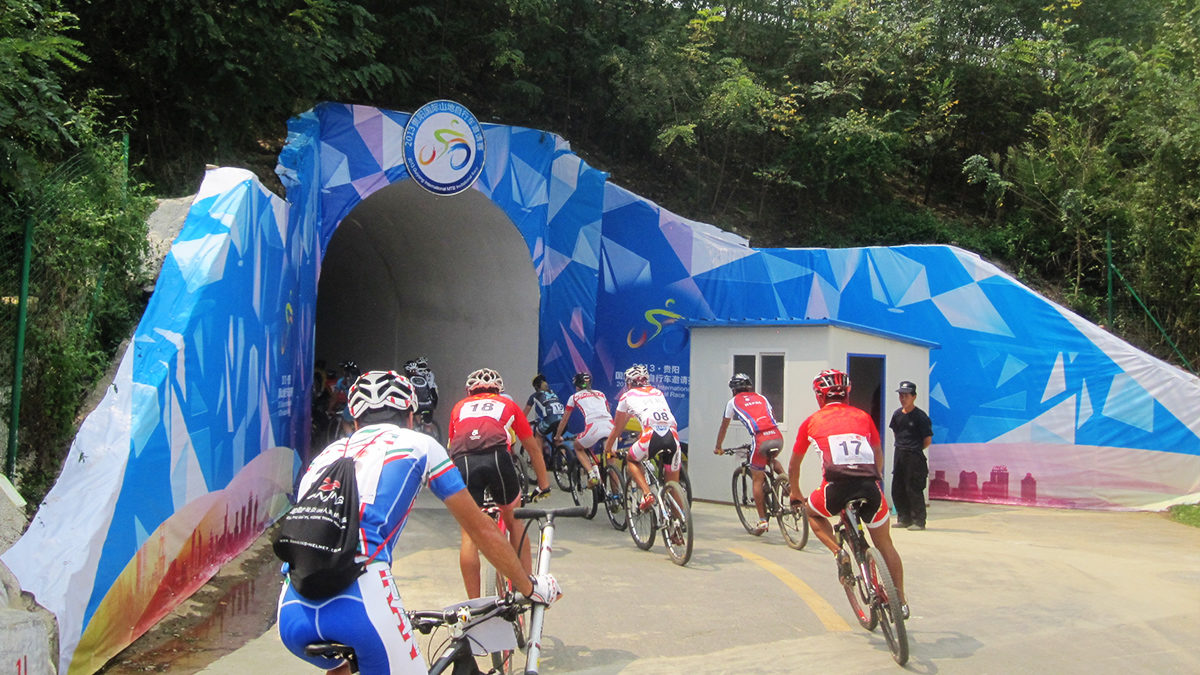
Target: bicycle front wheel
pixel 743 499
pixel 858 591
pixel 613 488
pixel 887 607
pixel 792 521
pixel 678 529
pixel 642 525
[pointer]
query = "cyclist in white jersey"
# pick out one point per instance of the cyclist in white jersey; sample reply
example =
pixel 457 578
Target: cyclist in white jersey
pixel 659 431
pixel 392 463
pixel 597 422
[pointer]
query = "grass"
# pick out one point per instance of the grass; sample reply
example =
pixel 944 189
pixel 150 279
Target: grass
pixel 1188 514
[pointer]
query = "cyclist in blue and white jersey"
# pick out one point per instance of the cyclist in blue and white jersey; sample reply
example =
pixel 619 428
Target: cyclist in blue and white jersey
pixel 392 462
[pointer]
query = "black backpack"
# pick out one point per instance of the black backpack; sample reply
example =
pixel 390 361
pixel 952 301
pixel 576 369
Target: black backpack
pixel 318 537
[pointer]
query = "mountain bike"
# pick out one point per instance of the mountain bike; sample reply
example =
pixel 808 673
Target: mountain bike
pixel 868 584
pixel 669 513
pixel 792 522
pixel 560 458
pixel 492 625
pixel 611 490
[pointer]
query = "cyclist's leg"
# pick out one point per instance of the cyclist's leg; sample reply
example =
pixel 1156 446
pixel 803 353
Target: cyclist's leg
pixel 473 471
pixel 507 489
pixel 638 452
pixel 881 538
pixel 758 469
pixel 818 517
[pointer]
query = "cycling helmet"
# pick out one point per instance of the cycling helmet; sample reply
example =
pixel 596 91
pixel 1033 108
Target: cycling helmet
pixel 381 390
pixel 741 382
pixel 637 376
pixel 832 383
pixel 351 368
pixel 410 368
pixel 582 380
pixel 422 365
pixel 485 379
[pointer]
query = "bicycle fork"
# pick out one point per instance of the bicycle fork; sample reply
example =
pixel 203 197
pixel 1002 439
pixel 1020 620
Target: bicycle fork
pixel 537 614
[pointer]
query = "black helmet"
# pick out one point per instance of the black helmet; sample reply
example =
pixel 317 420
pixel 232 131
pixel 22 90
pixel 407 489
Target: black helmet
pixel 351 368
pixel 741 382
pixel 582 380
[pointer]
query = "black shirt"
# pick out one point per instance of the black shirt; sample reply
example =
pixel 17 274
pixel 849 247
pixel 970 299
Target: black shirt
pixel 911 428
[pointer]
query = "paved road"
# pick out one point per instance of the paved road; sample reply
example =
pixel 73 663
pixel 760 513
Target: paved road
pixel 992 590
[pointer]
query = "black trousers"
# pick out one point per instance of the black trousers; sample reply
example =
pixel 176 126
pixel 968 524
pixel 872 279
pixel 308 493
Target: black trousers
pixel 909 477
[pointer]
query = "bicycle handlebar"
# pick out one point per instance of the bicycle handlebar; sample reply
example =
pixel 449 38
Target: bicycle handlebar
pixel 528 513
pixel 426 620
pixel 735 450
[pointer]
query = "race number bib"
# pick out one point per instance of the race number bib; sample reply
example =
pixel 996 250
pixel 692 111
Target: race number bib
pixel 492 409
pixel 845 449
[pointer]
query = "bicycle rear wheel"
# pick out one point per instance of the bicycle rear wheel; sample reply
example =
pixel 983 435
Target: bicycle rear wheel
pixel 613 488
pixel 792 521
pixel 642 524
pixel 858 592
pixel 560 464
pixel 580 492
pixel 887 607
pixel 678 529
pixel 743 499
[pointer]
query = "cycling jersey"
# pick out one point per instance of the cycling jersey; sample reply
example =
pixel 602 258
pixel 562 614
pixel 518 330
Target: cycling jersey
pixel 754 411
pixel 597 422
pixel 425 393
pixel 481 423
pixel 548 408
pixel 391 465
pixel 649 406
pixel 846 438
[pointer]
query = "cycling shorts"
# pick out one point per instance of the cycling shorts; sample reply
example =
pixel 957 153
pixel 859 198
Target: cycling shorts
pixel 664 447
pixel 546 426
pixel 491 470
pixel 830 498
pixel 593 432
pixel 763 452
pixel 368 616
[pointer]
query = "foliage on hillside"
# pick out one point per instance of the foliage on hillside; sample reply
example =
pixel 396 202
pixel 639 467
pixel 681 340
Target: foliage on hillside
pixel 1033 133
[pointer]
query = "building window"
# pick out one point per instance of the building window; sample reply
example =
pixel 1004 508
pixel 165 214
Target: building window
pixel 767 371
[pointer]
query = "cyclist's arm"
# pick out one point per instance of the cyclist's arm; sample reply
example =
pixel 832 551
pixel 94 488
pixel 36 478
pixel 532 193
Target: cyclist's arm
pixel 618 424
pixel 721 434
pixel 798 450
pixel 494 545
pixel 562 423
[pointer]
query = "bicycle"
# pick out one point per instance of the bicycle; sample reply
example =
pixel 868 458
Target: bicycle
pixel 792 522
pixel 492 625
pixel 869 586
pixel 560 458
pixel 669 513
pixel 611 489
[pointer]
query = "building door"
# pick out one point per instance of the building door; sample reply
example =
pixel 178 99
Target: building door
pixel 867 385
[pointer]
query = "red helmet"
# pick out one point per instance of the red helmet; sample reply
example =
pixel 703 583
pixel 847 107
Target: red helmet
pixel 831 383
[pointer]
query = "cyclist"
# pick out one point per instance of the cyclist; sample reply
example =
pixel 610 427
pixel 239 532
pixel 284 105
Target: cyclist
pixel 391 465
pixel 480 447
pixel 427 394
pixel 852 467
pixel 649 406
pixel 755 412
pixel 597 422
pixel 546 406
pixel 426 372
pixel 341 393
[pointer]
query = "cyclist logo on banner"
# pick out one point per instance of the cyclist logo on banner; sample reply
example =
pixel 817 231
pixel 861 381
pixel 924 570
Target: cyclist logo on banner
pixel 443 147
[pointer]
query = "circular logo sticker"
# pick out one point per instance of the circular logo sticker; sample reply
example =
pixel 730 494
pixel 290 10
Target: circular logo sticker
pixel 443 147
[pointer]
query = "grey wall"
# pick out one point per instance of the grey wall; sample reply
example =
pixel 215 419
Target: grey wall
pixel 409 274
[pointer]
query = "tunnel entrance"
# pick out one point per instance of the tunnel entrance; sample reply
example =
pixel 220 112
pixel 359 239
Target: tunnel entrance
pixel 410 274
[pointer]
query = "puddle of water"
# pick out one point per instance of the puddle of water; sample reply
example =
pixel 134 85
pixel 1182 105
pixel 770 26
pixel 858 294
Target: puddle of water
pixel 229 611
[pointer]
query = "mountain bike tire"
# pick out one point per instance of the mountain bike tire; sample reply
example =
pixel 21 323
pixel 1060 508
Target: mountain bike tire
pixel 743 499
pixel 677 531
pixel 642 524
pixel 614 499
pixel 859 593
pixel 887 608
pixel 580 492
pixel 792 521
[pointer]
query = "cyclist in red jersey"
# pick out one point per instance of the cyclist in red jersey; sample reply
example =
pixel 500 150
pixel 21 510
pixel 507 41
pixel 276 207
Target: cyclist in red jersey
pixel 480 447
pixel 852 467
pixel 754 411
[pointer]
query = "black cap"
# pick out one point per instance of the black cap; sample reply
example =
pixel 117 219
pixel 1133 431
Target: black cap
pixel 907 387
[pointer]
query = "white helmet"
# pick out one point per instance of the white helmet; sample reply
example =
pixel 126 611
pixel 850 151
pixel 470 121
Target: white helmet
pixel 379 390
pixel 485 379
pixel 637 376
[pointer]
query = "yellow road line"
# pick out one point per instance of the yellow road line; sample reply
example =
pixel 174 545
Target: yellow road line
pixel 823 610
